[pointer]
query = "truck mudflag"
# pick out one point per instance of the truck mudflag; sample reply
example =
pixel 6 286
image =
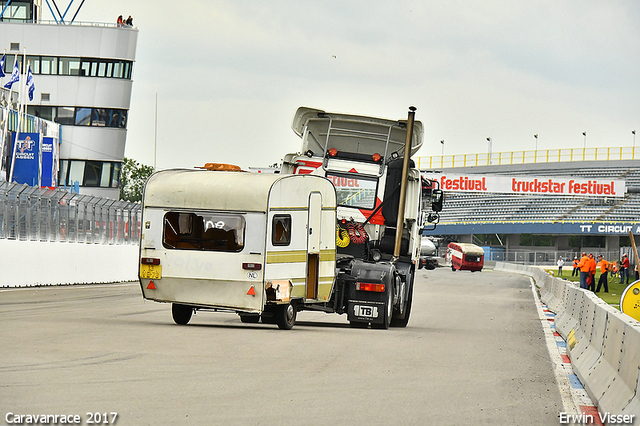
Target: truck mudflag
pixel 527 185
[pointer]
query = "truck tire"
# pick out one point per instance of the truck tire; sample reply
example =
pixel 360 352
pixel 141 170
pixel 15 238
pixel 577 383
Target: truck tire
pixel 388 312
pixel 403 320
pixel 358 324
pixel 286 316
pixel 181 313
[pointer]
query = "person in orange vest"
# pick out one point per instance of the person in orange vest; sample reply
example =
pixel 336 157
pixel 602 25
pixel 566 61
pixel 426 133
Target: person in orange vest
pixel 604 269
pixel 576 270
pixel 591 281
pixel 583 265
pixel 624 268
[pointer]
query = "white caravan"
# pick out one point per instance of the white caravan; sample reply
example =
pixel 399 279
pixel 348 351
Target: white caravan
pixel 251 243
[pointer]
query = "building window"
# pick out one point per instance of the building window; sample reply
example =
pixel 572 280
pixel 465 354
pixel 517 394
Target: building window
pixel 65 115
pixel 102 174
pixel 83 116
pixel 49 65
pixel 537 240
pixel 69 66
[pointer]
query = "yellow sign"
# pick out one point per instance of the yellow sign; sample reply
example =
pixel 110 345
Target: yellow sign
pixel 630 300
pixel 153 272
pixel 571 339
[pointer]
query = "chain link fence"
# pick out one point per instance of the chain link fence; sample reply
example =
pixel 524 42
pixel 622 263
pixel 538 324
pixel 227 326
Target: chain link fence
pixel 30 213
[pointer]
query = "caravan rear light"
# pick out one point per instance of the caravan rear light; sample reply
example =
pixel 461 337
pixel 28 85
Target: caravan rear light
pixel 252 266
pixel 376 157
pixel 378 288
pixel 333 152
pixel 150 261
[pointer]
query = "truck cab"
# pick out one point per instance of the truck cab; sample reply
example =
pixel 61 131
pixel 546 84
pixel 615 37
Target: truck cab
pixel 363 157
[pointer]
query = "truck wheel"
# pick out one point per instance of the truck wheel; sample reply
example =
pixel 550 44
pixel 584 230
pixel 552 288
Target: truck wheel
pixel 388 312
pixel 402 321
pixel 181 313
pixel 286 316
pixel 453 268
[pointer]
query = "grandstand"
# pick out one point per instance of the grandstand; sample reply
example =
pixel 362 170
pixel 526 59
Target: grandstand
pixel 565 224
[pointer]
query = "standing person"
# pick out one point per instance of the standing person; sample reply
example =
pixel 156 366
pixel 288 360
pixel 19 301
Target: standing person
pixel 560 265
pixel 129 21
pixel 604 268
pixel 120 21
pixel 576 270
pixel 584 270
pixel 592 273
pixel 624 269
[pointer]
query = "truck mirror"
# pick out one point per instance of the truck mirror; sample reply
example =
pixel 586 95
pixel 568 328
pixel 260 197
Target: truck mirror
pixel 437 199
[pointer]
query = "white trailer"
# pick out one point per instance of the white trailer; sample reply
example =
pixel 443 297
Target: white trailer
pixel 260 245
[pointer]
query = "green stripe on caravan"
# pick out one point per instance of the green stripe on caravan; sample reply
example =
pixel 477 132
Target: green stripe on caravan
pixel 298 256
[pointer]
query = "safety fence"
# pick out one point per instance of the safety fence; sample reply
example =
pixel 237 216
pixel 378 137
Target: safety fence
pixel 603 343
pixel 526 157
pixel 30 213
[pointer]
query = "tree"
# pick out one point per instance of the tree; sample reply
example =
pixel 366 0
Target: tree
pixel 134 176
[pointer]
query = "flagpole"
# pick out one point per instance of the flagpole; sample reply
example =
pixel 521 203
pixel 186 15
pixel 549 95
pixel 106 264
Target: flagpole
pixel 14 146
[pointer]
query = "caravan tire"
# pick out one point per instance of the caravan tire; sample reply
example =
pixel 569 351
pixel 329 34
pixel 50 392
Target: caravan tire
pixel 181 313
pixel 286 316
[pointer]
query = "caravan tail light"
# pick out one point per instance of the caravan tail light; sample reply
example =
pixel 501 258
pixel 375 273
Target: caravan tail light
pixel 376 157
pixel 378 288
pixel 252 266
pixel 333 152
pixel 150 261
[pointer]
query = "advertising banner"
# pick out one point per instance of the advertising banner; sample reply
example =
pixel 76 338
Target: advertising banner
pixel 520 184
pixel 27 158
pixel 49 163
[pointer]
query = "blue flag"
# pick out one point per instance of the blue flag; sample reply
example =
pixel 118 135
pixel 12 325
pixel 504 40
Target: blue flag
pixel 31 86
pixel 2 74
pixel 15 76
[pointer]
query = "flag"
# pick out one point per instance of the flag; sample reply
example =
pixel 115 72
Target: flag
pixel 31 86
pixel 2 74
pixel 15 76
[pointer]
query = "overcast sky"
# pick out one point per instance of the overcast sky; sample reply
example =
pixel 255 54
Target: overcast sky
pixel 229 74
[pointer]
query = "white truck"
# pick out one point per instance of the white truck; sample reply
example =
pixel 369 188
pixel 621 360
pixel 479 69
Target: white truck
pixel 337 230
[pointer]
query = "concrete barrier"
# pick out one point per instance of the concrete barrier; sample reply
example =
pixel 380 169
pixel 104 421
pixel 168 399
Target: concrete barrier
pixel 29 263
pixel 602 342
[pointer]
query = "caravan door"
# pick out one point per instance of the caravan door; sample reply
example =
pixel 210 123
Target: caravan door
pixel 314 231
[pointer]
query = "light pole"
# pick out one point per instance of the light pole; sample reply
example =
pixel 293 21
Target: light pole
pixel 489 140
pixel 442 142
pixel 633 132
pixel 536 136
pixel 585 139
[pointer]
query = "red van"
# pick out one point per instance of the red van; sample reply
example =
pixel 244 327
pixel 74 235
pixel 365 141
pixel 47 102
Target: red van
pixel 465 257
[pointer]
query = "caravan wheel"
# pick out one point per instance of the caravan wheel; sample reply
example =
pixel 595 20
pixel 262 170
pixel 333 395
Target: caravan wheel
pixel 286 316
pixel 181 313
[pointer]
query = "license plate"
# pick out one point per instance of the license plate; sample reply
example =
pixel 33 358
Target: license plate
pixel 365 311
pixel 152 272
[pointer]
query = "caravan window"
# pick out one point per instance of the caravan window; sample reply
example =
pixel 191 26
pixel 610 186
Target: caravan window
pixel 281 230
pixel 203 231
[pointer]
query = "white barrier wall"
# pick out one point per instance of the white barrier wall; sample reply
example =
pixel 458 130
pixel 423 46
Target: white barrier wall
pixel 27 263
pixel 603 343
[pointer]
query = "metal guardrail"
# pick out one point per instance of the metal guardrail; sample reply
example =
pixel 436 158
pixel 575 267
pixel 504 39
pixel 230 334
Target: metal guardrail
pixel 30 213
pixel 528 157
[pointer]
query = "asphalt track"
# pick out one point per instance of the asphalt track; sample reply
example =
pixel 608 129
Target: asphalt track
pixel 473 353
